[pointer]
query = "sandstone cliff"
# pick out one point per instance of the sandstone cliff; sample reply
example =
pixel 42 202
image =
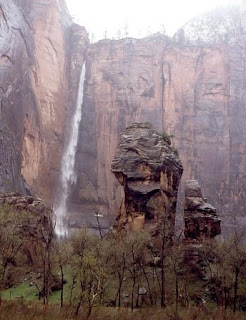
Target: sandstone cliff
pixel 149 170
pixel 192 88
pixel 42 53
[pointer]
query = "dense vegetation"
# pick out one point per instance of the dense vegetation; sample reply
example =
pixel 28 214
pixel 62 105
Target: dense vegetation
pixel 127 276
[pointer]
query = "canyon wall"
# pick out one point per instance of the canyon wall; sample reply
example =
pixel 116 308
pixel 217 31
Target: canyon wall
pixel 192 86
pixel 41 55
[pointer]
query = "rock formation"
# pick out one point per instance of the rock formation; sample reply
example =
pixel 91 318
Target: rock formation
pixel 36 219
pixel 41 55
pixel 29 204
pixel 149 169
pixel 194 88
pixel 202 224
pixel 201 220
pixel 26 228
pixel 192 85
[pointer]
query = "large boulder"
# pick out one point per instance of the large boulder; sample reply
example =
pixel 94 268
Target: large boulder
pixel 149 169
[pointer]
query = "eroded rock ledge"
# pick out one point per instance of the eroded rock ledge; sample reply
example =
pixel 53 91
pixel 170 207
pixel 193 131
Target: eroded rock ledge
pixel 29 204
pixel 36 221
pixel 149 169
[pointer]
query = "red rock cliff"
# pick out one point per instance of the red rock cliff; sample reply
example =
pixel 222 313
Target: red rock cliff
pixel 42 53
pixel 192 88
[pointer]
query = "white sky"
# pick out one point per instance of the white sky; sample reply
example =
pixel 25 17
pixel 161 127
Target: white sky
pixel 140 16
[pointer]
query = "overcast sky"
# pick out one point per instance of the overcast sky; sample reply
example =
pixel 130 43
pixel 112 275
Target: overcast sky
pixel 140 16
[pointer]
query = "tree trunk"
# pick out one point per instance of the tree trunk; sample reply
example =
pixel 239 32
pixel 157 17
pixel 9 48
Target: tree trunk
pixel 78 307
pixel 119 290
pixel 148 284
pixel 133 289
pixel 163 302
pixel 235 290
pixel 62 285
pixel 90 304
pixel 177 292
pixel 120 281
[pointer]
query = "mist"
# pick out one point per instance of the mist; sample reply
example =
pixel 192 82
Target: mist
pixel 116 19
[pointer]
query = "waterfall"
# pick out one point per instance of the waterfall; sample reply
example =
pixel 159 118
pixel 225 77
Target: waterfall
pixel 68 174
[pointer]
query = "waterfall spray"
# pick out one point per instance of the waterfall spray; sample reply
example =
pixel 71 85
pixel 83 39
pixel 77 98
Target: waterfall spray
pixel 68 174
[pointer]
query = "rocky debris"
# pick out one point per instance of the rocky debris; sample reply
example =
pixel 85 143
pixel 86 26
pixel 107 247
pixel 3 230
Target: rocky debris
pixel 201 219
pixel 149 169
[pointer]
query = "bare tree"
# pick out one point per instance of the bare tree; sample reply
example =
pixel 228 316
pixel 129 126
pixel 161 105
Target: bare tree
pixel 90 273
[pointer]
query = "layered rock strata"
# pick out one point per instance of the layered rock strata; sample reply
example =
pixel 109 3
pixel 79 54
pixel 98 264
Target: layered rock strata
pixel 149 170
pixel 201 219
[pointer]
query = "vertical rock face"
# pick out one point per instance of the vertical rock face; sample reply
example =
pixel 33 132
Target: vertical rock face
pixel 59 54
pixel 201 220
pixel 15 47
pixel 124 84
pixel 41 55
pixel 192 88
pixel 149 169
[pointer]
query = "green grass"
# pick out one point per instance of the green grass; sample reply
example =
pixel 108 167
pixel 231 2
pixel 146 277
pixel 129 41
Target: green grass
pixel 30 293
pixel 23 290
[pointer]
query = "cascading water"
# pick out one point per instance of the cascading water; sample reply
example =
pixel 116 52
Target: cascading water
pixel 68 174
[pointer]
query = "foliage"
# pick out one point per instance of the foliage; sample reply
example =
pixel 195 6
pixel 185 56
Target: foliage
pixel 25 249
pixel 87 276
pixel 12 240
